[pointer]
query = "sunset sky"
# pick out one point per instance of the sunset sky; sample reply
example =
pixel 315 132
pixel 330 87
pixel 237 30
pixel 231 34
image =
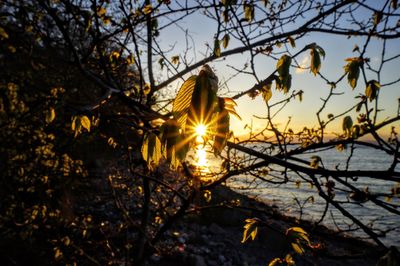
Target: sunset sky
pixel 337 49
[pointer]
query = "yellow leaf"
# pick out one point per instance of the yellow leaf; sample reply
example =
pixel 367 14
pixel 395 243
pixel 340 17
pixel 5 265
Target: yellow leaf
pixel 267 92
pixel 298 248
pixel 274 262
pixel 66 240
pixel 146 89
pixel 85 121
pixel 12 49
pixel 51 114
pixel 74 122
pixel 225 41
pixel 250 230
pixel 130 59
pixel 3 34
pixel 57 253
pixel 182 101
pixel 292 42
pixel 147 9
pixel 207 195
pixel 217 48
pixel 101 11
pixel 289 260
pixel 175 59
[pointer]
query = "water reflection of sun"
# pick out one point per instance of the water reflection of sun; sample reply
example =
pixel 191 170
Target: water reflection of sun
pixel 201 152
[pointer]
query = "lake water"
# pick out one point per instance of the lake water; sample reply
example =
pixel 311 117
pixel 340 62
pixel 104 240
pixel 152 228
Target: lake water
pixel 288 196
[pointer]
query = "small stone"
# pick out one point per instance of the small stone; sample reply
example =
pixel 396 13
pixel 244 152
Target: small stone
pixel 198 261
pixel 216 229
pixel 221 258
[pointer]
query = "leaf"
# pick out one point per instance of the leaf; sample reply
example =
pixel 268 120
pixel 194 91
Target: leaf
pixel 147 9
pixel 57 253
pixel 347 123
pixel 298 238
pixel 315 160
pixel 3 34
pixel 50 115
pixel 394 4
pixel 248 11
pixel 276 261
pixel 74 123
pixel 283 65
pixel 217 48
pixel 172 142
pixel 250 229
pixel 315 61
pixel 204 99
pixel 292 42
pixel 222 131
pixel 330 116
pixel 225 15
pixel 182 101
pixel 85 122
pixel 353 70
pixel 151 150
pixel 175 60
pixel 371 91
pixel 298 248
pixel 130 59
pixel 377 17
pixel 225 41
pixel 320 51
pixel 355 132
pixel 267 92
pixel 285 83
pixel 207 195
pixel 301 95
pixel 101 11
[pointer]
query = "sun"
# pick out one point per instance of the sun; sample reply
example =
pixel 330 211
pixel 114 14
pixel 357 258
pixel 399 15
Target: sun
pixel 201 130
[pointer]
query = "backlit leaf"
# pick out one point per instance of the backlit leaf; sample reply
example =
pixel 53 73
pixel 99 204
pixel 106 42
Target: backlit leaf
pixel 85 122
pixel 289 260
pixel 298 238
pixel 353 70
pixel 222 131
pixel 147 9
pixel 298 248
pixel 248 9
pixel 267 92
pixel 347 123
pixel 394 4
pixel 50 115
pixel 377 17
pixel 204 99
pixel 292 42
pixel 101 11
pixel 3 34
pixel 225 41
pixel 315 160
pixel 371 91
pixel 182 101
pixel 217 48
pixel 175 59
pixel 276 261
pixel 250 230
pixel 283 65
pixel 151 150
pixel 315 61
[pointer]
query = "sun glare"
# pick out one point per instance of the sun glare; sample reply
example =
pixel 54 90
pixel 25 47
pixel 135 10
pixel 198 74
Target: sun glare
pixel 201 158
pixel 201 130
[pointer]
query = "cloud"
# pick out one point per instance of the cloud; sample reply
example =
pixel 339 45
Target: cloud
pixel 304 63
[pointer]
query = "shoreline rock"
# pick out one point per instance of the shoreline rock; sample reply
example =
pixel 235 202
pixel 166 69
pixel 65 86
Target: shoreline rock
pixel 211 235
